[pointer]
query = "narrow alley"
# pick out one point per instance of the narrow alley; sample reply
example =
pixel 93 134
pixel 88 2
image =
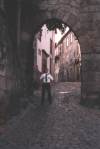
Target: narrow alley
pixel 64 124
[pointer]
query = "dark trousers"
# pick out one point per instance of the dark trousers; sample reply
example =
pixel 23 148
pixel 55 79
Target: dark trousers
pixel 46 88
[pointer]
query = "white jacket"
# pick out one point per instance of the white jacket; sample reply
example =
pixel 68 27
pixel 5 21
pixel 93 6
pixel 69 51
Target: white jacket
pixel 48 79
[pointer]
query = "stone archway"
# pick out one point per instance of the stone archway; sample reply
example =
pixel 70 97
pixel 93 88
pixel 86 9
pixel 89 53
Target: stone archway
pixel 83 18
pixel 50 10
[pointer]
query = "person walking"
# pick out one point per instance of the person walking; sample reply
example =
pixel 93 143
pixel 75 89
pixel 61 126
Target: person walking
pixel 46 79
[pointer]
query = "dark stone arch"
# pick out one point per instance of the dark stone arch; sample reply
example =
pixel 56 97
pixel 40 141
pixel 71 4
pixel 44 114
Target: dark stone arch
pixel 75 15
pixel 43 17
pixel 73 21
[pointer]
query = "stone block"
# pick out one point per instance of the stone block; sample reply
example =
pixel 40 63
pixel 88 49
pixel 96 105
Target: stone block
pixel 48 15
pixel 93 8
pixel 65 18
pixel 88 76
pixel 95 3
pixel 74 4
pixel 90 87
pixel 4 100
pixel 91 62
pixel 96 16
pixel 72 20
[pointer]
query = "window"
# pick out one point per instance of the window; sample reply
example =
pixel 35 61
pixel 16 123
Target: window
pixel 67 42
pixel 55 45
pixel 40 35
pixel 71 37
pixel 39 52
pixel 51 46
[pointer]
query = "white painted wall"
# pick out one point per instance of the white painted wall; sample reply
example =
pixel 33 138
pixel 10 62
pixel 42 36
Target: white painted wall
pixel 44 44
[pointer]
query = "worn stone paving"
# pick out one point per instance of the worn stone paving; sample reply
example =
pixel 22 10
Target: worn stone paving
pixel 63 125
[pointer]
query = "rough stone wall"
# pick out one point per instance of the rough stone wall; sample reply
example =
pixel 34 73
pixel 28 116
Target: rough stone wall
pixel 6 59
pixel 7 78
pixel 90 45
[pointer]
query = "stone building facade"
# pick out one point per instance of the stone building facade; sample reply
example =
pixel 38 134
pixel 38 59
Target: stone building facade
pixel 68 58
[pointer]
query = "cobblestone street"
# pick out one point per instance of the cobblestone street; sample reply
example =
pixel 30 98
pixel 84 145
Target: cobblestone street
pixel 64 124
